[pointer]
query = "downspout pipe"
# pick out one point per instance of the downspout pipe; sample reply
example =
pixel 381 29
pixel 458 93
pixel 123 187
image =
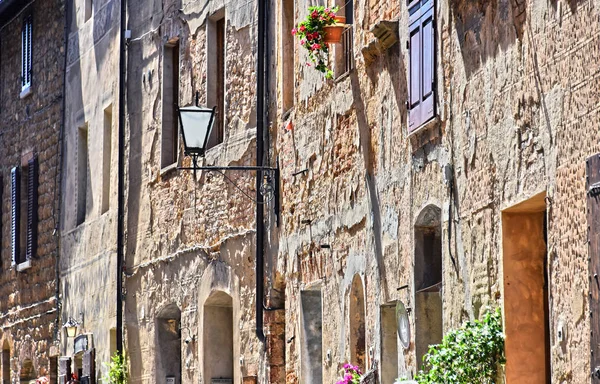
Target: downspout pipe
pixel 121 176
pixel 260 224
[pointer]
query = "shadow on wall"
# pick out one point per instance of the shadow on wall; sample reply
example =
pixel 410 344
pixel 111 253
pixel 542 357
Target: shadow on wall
pixel 485 28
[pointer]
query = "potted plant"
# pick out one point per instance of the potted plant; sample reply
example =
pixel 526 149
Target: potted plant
pixel 320 28
pixel 350 375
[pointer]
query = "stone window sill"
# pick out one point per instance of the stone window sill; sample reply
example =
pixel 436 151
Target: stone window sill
pixel 25 92
pixel 425 133
pixel 24 266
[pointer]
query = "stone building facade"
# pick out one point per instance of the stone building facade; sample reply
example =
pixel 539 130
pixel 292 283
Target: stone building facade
pixel 88 215
pixel 483 205
pixel 31 88
pixel 479 203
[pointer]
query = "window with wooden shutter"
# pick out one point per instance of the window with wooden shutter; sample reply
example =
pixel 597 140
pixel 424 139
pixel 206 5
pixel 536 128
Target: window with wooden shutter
pixel 89 367
pixel 15 198
pixel 26 52
pixel 421 73
pixel 32 207
pixel 593 220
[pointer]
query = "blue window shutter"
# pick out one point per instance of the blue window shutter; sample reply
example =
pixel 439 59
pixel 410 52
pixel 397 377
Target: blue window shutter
pixel 16 212
pixel 421 89
pixel 32 207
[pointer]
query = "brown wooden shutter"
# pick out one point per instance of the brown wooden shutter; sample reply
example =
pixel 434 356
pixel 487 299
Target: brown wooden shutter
pixel 89 366
pixel 15 197
pixel 593 219
pixel 32 207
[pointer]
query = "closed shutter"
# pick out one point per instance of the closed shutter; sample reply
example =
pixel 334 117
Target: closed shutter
pixel 421 105
pixel 89 366
pixel 15 198
pixel 32 207
pixel 64 370
pixel 593 219
pixel 26 51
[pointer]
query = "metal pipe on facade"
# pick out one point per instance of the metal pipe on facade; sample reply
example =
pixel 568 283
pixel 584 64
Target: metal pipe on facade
pixel 260 225
pixel 121 176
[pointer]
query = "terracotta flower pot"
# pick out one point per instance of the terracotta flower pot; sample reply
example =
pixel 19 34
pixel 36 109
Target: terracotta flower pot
pixel 333 33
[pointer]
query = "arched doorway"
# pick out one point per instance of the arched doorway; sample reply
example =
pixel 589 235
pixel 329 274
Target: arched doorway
pixel 168 344
pixel 217 333
pixel 428 281
pixel 358 342
pixel 27 372
pixel 5 360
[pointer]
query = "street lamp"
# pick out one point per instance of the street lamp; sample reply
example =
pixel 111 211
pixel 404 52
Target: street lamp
pixel 71 327
pixel 196 126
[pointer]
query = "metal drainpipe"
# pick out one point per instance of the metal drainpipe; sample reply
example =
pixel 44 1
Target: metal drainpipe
pixel 121 176
pixel 260 225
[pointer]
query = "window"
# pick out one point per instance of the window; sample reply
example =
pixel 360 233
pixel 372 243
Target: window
pixel 24 183
pixel 287 55
pixel 5 363
pixel 358 338
pixel 82 173
pixel 344 52
pixel 169 143
pixel 216 78
pixel 428 281
pixel 421 46
pixel 26 55
pixel 106 158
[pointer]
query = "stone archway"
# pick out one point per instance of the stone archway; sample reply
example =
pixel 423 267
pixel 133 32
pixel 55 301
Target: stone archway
pixel 428 281
pixel 218 337
pixel 5 361
pixel 168 344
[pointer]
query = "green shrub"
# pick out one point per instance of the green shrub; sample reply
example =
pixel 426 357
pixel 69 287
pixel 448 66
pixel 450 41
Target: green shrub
pixel 117 372
pixel 468 355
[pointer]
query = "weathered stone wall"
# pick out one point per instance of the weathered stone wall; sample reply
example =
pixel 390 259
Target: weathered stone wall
pixel 28 308
pixel 188 238
pixel 518 102
pixel 88 249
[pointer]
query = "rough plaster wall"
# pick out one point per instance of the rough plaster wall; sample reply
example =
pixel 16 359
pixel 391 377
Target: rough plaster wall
pixel 518 106
pixel 28 306
pixel 88 251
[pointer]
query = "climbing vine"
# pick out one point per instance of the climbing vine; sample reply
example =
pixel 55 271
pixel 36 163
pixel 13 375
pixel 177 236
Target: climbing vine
pixel 470 354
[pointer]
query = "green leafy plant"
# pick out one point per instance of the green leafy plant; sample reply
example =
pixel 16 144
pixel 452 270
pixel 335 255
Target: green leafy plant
pixel 470 354
pixel 117 370
pixel 311 33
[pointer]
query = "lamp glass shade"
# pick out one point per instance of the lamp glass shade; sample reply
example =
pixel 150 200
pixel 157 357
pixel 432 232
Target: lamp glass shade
pixel 71 327
pixel 196 126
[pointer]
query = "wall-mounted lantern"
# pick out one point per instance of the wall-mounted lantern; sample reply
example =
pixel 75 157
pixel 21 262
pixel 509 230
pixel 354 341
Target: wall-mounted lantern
pixel 71 327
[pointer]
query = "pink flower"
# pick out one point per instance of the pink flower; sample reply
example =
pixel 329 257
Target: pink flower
pixel 302 42
pixel 314 14
pixel 314 47
pixel 327 10
pixel 294 31
pixel 302 28
pixel 308 64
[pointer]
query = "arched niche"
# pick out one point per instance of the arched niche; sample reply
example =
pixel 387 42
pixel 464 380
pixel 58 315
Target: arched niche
pixel 218 337
pixel 5 361
pixel 358 344
pixel 428 280
pixel 168 344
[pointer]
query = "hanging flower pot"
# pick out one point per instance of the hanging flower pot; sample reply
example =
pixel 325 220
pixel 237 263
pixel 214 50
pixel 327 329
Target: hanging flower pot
pixel 333 33
pixel 315 38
